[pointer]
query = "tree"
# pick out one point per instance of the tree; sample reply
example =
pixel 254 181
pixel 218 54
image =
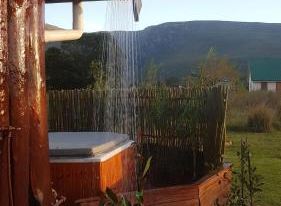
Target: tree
pixel 98 76
pixel 66 71
pixel 215 70
pixel 78 64
pixel 219 69
pixel 172 81
pixel 151 74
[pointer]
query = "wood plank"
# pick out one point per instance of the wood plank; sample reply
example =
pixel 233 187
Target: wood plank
pixel 117 173
pixel 75 180
pixel 169 195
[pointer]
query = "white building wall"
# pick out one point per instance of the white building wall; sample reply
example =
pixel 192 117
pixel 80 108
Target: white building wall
pixel 255 86
pixel 271 86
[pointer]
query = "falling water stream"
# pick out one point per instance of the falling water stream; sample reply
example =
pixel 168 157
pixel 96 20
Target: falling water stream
pixel 120 54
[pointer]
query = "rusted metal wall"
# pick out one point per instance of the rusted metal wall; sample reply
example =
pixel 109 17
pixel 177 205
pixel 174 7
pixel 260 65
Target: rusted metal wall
pixel 22 78
pixel 4 115
pixel 39 156
pixel 19 112
pixel 4 99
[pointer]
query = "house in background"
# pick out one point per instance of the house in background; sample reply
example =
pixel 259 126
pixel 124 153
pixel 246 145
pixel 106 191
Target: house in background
pixel 265 74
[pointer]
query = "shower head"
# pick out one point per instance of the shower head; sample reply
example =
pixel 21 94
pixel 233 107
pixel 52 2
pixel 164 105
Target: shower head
pixel 137 5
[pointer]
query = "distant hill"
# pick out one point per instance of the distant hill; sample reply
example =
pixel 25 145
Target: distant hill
pixel 180 46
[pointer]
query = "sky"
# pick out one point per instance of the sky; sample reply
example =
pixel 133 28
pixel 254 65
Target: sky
pixel 155 12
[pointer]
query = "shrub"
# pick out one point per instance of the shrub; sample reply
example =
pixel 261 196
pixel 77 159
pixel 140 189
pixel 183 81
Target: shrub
pixel 278 113
pixel 260 119
pixel 246 100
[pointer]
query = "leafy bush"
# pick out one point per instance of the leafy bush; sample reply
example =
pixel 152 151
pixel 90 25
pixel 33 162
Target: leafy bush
pixel 278 113
pixel 245 100
pixel 260 119
pixel 241 102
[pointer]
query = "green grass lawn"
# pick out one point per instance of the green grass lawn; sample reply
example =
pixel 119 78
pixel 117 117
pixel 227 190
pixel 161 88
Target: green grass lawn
pixel 266 151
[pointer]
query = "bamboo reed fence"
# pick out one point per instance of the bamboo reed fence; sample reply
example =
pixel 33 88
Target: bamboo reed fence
pixel 76 110
pixel 183 129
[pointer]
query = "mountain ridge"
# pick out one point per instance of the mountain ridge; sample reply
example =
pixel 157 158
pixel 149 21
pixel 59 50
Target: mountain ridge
pixel 184 44
pixel 179 47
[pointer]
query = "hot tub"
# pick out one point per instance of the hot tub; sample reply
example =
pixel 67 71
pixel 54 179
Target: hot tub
pixel 83 164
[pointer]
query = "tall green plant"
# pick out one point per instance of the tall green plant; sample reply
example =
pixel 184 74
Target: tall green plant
pixel 180 127
pixel 247 183
pixel 151 74
pixel 187 127
pixel 161 109
pixel 98 76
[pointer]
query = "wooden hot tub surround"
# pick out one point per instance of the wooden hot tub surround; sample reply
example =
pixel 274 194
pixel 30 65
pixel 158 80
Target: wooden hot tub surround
pixel 88 177
pixel 205 192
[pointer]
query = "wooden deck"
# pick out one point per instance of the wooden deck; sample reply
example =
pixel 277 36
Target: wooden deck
pixel 205 192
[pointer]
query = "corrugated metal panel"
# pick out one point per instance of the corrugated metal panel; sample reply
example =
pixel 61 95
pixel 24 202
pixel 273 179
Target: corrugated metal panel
pixel 267 69
pixel 4 104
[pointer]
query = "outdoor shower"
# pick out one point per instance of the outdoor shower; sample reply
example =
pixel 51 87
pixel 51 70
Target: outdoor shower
pixel 77 22
pixel 24 151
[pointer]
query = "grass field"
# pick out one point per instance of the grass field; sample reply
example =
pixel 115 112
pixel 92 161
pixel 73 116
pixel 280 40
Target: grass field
pixel 266 151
